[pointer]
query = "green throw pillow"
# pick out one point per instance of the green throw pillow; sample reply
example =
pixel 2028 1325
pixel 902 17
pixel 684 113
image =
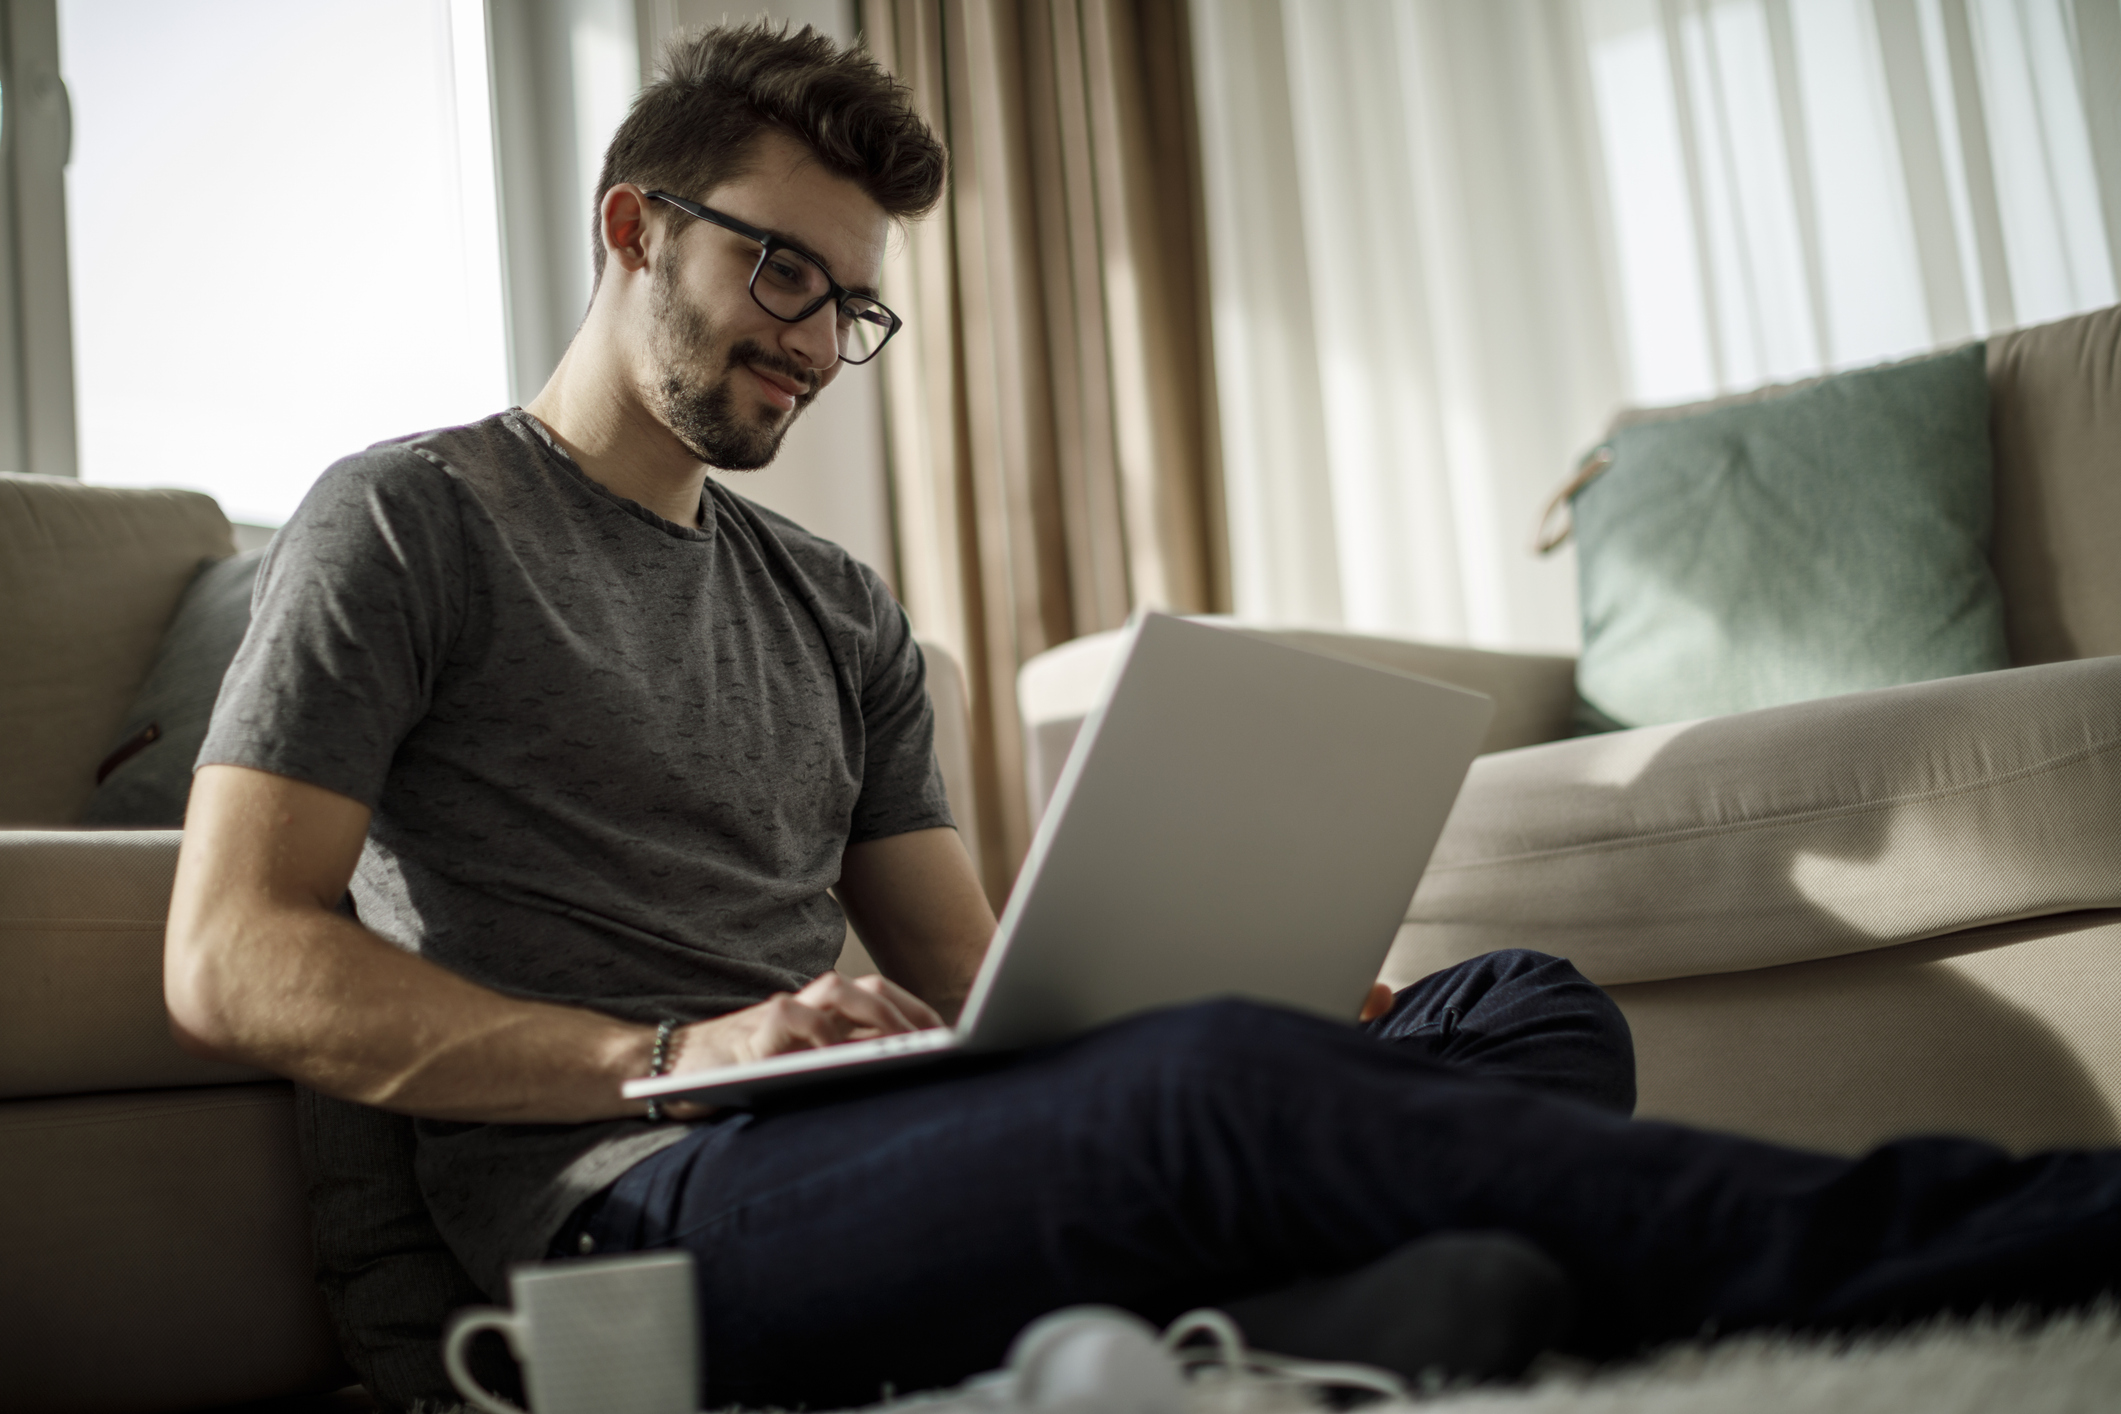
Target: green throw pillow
pixel 1821 541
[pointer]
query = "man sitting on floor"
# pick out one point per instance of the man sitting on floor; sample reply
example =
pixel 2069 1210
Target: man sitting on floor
pixel 584 739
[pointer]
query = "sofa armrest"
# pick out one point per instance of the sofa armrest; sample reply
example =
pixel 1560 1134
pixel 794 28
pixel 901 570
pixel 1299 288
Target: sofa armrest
pixel 1534 693
pixel 953 758
pixel 1797 832
pixel 953 739
pixel 82 914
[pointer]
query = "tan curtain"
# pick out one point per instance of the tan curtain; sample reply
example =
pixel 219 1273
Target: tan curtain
pixel 1050 406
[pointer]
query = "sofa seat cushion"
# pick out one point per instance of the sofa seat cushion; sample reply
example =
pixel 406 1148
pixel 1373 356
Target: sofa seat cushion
pixel 82 914
pixel 1796 832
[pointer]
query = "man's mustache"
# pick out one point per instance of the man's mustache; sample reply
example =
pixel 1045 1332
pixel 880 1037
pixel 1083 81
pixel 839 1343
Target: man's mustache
pixel 750 351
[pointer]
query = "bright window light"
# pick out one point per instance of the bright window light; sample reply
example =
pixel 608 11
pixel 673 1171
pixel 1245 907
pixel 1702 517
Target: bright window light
pixel 1871 271
pixel 1664 304
pixel 282 235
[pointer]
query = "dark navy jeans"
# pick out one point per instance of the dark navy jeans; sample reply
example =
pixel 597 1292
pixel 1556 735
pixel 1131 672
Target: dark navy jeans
pixel 902 1230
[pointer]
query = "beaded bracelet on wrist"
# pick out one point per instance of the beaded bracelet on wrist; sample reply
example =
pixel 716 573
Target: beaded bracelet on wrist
pixel 659 1062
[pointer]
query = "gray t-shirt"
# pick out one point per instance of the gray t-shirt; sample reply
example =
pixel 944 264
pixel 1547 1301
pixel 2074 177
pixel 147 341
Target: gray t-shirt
pixel 613 761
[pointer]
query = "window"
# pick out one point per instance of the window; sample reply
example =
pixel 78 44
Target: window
pixel 281 228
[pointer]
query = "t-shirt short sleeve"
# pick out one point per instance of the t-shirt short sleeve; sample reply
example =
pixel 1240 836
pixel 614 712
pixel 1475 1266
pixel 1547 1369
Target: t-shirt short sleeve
pixel 356 607
pixel 902 786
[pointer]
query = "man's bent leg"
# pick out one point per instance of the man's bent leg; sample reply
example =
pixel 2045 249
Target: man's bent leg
pixel 1523 1017
pixel 1212 1152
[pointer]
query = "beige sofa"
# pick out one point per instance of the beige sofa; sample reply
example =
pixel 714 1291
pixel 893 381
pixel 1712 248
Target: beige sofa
pixel 154 1238
pixel 1841 921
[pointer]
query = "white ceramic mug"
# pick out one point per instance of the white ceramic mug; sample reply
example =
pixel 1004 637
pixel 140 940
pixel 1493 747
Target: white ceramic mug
pixel 616 1335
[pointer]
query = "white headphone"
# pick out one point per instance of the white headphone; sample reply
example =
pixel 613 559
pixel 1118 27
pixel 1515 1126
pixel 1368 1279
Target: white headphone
pixel 1102 1360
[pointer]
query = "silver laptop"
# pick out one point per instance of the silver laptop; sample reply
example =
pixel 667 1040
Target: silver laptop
pixel 1237 818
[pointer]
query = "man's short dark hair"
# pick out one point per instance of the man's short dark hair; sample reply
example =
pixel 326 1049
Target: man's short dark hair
pixel 720 90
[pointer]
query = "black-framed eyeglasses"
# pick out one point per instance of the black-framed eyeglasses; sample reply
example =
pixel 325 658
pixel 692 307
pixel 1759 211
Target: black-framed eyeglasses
pixel 789 284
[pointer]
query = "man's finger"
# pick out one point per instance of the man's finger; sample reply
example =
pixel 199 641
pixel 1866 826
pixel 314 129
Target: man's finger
pixel 861 1005
pixel 911 1007
pixel 769 1028
pixel 787 1024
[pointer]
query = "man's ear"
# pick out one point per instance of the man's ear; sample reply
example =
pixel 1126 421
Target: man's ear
pixel 625 219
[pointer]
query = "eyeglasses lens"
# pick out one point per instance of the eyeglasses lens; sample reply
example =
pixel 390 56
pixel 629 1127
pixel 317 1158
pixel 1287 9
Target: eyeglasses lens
pixel 788 282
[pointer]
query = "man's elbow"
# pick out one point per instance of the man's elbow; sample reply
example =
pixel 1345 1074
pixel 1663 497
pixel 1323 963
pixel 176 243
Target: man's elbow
pixel 192 1043
pixel 198 1015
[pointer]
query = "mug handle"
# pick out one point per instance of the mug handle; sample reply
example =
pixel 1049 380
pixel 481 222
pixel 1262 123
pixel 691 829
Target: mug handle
pixel 462 1327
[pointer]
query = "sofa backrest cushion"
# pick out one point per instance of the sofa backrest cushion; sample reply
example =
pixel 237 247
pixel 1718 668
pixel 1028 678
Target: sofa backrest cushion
pixel 2055 424
pixel 89 577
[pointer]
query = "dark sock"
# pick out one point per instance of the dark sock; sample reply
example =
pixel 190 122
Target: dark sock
pixel 1470 1305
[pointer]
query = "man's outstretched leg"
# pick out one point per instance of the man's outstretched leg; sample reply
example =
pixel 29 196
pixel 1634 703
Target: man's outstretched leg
pixel 1214 1152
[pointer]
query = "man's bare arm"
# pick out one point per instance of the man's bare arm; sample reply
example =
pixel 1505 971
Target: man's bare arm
pixel 261 968
pixel 920 911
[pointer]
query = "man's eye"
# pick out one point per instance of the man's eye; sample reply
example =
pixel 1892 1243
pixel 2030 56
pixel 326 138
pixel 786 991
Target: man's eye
pixel 787 272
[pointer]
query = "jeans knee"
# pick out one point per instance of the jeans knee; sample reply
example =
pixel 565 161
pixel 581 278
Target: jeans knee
pixel 1508 964
pixel 1212 1038
pixel 1557 978
pixel 1520 968
pixel 1521 1015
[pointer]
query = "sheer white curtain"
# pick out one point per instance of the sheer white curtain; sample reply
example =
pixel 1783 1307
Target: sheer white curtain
pixel 1448 237
pixel 1412 331
pixel 1807 184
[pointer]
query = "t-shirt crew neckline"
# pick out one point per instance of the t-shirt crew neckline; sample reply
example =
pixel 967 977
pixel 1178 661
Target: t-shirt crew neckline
pixel 542 435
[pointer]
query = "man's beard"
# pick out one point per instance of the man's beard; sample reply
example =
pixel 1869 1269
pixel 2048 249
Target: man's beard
pixel 701 412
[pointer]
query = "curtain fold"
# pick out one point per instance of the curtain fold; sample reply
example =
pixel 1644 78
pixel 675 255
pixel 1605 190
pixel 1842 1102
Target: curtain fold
pixel 1051 416
pixel 1410 306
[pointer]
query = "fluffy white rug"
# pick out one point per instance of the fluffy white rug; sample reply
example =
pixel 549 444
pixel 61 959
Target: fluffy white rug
pixel 2068 1365
pixel 2062 1366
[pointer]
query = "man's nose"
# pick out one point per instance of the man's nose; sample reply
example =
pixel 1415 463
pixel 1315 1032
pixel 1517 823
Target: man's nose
pixel 815 341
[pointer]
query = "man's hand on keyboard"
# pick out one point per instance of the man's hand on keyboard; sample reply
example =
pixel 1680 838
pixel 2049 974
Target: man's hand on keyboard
pixel 827 1012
